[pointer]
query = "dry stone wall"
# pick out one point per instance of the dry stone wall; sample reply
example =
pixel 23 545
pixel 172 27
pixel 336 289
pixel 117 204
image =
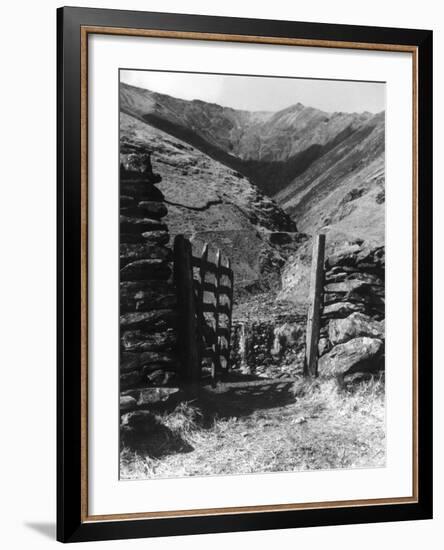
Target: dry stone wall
pixel 148 316
pixel 353 328
pixel 271 346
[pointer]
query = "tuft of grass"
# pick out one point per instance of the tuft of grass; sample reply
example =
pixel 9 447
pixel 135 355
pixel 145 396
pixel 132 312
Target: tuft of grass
pixel 326 425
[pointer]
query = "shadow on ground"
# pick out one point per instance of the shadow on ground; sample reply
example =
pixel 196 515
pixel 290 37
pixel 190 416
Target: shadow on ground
pixel 243 397
pixel 155 440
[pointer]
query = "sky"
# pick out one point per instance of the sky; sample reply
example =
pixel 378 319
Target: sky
pixel 255 93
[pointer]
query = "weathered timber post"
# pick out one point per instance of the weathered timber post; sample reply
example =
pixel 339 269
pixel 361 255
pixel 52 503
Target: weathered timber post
pixel 314 306
pixel 216 361
pixel 230 314
pixel 200 302
pixel 187 330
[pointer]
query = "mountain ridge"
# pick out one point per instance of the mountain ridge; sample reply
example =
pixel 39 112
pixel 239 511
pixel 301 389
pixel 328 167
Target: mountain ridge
pixel 262 145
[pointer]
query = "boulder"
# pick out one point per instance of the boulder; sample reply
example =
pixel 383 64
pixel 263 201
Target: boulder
pixel 361 354
pixel 356 324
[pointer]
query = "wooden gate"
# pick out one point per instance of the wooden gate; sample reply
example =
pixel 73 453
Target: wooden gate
pixel 205 300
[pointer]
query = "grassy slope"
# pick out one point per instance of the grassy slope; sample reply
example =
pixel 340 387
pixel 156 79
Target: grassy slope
pixel 320 427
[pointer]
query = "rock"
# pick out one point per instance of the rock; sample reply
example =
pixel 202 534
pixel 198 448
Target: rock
pixel 143 251
pixel 362 256
pixel 141 423
pixel 340 276
pixel 341 309
pixel 146 295
pixel 339 270
pixel 130 379
pixel 161 377
pixel 324 345
pixel 126 201
pixel 280 237
pixel 153 396
pixel 141 190
pixel 127 403
pixel 356 324
pixel 159 319
pixel 136 164
pixel 345 255
pixel 156 237
pixel 145 269
pixel 151 367
pixel 131 238
pixel 361 354
pixel 140 225
pixel 130 361
pixel 286 335
pixel 154 209
pixel 139 340
pixel 347 286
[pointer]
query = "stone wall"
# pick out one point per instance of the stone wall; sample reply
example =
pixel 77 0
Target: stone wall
pixel 353 322
pixel 271 347
pixel 148 360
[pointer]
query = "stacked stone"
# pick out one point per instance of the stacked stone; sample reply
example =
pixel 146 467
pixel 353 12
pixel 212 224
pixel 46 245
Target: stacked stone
pixel 353 327
pixel 148 338
pixel 271 347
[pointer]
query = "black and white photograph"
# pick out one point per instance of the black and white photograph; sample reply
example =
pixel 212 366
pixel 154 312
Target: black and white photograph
pixel 252 269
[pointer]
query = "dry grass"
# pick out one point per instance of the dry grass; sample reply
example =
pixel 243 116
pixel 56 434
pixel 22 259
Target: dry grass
pixel 321 426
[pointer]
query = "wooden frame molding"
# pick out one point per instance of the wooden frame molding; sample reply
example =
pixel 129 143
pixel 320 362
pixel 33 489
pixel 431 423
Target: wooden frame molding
pixel 76 20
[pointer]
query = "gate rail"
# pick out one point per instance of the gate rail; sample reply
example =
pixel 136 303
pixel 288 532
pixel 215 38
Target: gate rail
pixel 205 300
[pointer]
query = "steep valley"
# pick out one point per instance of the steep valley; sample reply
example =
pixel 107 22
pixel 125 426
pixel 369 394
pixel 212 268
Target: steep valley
pixel 259 184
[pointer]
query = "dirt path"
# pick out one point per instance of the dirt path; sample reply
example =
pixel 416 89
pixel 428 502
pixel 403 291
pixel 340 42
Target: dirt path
pixel 321 427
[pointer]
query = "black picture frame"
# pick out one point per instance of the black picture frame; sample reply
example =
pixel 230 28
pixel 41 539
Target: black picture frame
pixel 71 523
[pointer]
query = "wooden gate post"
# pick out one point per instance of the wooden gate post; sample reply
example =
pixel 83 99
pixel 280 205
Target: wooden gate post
pixel 187 329
pixel 314 306
pixel 216 361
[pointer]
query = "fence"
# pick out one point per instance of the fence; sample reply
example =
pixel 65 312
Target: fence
pixel 205 300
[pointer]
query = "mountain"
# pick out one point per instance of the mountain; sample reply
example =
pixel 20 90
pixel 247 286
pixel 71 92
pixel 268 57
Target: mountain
pixel 343 191
pixel 272 149
pixel 209 202
pixel 258 174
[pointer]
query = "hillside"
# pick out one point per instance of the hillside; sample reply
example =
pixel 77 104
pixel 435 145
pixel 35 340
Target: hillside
pixel 210 202
pixel 257 173
pixel 270 148
pixel 343 191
